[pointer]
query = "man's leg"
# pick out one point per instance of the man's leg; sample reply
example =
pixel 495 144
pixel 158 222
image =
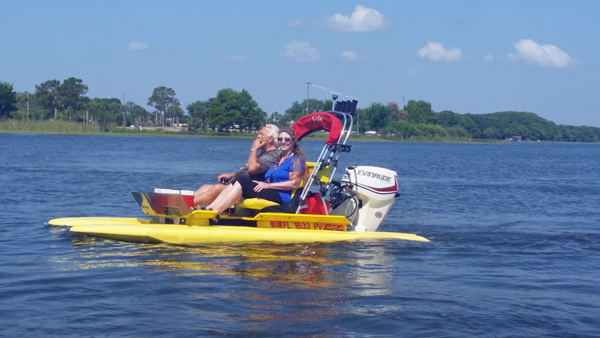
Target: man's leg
pixel 223 194
pixel 232 194
pixel 207 193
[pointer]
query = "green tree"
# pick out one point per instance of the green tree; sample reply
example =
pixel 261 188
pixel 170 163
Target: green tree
pixel 378 116
pixel 199 115
pixel 588 134
pixel 397 113
pixel 252 115
pixel 432 130
pixel 46 95
pixel 297 110
pixel 7 99
pixel 522 131
pixel 71 96
pixel 508 132
pixel 536 132
pixel 136 114
pixel 162 100
pixel 275 118
pixel 224 109
pixel 419 112
pixel 469 125
pixel 175 112
pixel 447 118
pixel 314 106
pixel 456 131
pixel 361 120
pixel 387 131
pixel 105 112
pixel 327 105
pixel 491 133
pixel 22 112
pixel 404 129
pixel 293 113
pixel 23 100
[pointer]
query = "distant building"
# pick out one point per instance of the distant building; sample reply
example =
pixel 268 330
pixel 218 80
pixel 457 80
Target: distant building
pixel 517 139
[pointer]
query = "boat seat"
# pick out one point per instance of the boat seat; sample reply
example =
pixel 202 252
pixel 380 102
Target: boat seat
pixel 289 208
pixel 255 203
pixel 259 203
pixel 262 204
pixel 269 206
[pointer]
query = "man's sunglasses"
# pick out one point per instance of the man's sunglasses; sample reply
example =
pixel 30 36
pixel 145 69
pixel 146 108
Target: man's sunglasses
pixel 286 139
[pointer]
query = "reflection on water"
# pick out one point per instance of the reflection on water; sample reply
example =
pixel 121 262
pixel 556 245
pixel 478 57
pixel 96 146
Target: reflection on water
pixel 298 265
pixel 273 285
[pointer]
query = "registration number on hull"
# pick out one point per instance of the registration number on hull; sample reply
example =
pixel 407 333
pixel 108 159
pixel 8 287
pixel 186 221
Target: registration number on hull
pixel 308 226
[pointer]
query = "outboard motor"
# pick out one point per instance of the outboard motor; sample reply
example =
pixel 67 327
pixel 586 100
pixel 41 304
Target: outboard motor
pixel 365 196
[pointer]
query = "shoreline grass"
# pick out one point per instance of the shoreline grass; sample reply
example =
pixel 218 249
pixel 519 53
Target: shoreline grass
pixel 69 128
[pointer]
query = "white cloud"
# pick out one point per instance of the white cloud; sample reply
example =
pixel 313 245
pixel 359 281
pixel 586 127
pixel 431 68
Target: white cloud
pixel 489 57
pixel 361 20
pixel 301 51
pixel 237 58
pixel 296 23
pixel 544 55
pixel 413 72
pixel 349 56
pixel 136 46
pixel 435 51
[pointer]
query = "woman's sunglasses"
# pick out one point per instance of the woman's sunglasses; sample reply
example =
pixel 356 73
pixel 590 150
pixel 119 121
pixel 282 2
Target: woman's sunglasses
pixel 286 139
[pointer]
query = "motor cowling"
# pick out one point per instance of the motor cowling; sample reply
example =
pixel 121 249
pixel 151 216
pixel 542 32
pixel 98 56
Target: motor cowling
pixel 374 190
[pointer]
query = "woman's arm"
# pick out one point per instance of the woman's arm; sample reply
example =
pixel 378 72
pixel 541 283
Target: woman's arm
pixel 293 183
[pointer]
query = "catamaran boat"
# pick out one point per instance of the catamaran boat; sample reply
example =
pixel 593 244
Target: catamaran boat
pixel 321 210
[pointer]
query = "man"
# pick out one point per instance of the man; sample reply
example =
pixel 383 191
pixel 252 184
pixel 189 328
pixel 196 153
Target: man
pixel 257 165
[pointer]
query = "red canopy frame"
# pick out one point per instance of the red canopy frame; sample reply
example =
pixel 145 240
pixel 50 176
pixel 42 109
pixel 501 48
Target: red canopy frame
pixel 319 121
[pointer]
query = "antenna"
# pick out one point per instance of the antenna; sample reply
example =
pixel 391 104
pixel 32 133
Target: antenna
pixel 307 88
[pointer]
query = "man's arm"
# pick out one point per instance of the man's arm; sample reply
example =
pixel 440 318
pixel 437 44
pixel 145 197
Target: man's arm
pixel 253 165
pixel 227 176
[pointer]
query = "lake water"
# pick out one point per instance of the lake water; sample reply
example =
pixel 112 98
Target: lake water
pixel 514 251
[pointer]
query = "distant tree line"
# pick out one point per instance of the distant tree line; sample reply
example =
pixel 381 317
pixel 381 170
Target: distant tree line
pixel 417 119
pixel 232 110
pixel 68 100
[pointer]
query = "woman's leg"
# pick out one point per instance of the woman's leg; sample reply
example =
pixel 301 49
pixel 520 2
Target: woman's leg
pixel 227 198
pixel 248 191
pixel 242 187
pixel 222 192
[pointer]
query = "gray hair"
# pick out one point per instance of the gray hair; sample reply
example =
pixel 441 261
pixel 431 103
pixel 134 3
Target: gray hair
pixel 273 131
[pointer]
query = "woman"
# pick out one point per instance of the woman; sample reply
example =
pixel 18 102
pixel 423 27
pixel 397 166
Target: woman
pixel 280 180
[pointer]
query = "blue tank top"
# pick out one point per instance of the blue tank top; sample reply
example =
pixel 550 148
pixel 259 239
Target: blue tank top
pixel 282 174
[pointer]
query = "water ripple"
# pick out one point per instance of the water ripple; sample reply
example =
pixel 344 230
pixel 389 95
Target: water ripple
pixel 514 231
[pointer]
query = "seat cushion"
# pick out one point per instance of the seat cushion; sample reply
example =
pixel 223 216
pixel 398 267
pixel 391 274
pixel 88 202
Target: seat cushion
pixel 256 203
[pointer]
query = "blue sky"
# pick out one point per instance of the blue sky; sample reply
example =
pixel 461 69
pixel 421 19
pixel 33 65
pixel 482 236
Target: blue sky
pixel 472 56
